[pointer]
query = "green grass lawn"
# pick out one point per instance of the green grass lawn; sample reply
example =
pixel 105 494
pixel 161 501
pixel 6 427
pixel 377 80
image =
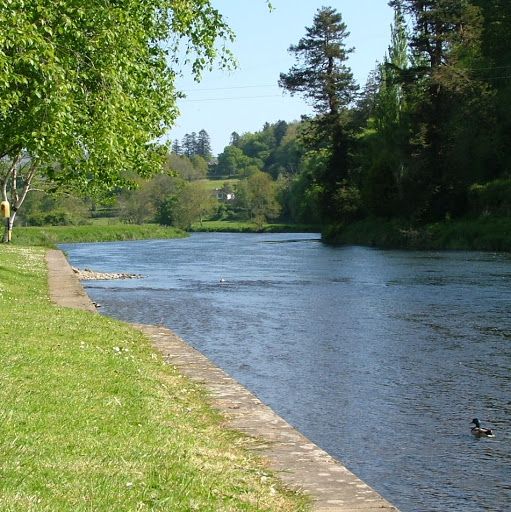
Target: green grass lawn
pixel 92 419
pixel 214 184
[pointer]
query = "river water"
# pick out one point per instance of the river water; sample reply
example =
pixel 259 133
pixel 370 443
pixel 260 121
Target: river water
pixel 380 357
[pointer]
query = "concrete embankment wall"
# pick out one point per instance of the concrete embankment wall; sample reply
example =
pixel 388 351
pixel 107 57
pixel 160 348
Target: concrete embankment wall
pixel 299 462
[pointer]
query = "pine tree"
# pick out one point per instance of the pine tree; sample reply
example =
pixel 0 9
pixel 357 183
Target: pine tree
pixel 493 143
pixel 204 145
pixel 322 75
pixel 384 144
pixel 390 98
pixel 176 147
pixel 327 83
pixel 235 139
pixel 189 144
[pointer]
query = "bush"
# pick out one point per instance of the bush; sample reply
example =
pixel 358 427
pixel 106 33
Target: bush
pixel 493 198
pixel 52 218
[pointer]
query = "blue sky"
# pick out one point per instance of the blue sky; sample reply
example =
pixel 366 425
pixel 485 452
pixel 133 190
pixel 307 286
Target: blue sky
pixel 243 100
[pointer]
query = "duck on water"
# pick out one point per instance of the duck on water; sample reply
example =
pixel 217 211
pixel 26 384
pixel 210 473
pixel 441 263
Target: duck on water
pixel 479 431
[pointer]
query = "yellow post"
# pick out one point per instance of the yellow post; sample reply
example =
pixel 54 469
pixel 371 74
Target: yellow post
pixel 5 209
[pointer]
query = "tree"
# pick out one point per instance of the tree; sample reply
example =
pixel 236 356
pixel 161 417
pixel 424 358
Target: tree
pixel 141 204
pixel 390 97
pixel 227 190
pixel 383 144
pixel 305 199
pixel 262 146
pixel 86 91
pixel 324 79
pixel 180 166
pixel 194 203
pixel 231 161
pixel 287 155
pixel 189 144
pixel 256 196
pixel 204 145
pixel 42 209
pixel 165 209
pixel 279 131
pixel 200 167
pixel 322 76
pixel 489 143
pixel 176 147
pixel 445 43
pixel 235 138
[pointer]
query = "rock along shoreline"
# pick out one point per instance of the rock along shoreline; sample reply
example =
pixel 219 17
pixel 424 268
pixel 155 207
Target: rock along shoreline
pixel 91 275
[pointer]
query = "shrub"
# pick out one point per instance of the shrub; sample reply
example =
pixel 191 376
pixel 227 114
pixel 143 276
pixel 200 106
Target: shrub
pixel 493 198
pixel 52 218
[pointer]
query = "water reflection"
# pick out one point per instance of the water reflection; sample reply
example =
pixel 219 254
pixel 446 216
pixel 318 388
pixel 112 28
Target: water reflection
pixel 380 357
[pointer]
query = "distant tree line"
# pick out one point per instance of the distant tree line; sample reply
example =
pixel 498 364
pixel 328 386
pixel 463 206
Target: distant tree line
pixel 193 144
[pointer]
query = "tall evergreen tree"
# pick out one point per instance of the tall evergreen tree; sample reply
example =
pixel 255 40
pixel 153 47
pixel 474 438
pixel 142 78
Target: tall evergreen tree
pixel 204 145
pixel 279 131
pixel 176 147
pixel 321 74
pixel 189 144
pixel 496 72
pixel 383 146
pixel 235 139
pixel 323 78
pixel 444 42
pixel 391 98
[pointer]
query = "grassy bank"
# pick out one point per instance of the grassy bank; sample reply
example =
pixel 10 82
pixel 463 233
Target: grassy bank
pixel 228 226
pixel 92 419
pixel 484 234
pixel 50 235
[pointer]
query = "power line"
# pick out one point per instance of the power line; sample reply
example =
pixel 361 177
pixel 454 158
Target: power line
pixel 233 98
pixel 231 88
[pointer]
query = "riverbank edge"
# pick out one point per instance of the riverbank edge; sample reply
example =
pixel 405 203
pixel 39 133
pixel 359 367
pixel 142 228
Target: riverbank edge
pixel 50 236
pixel 488 234
pixel 298 462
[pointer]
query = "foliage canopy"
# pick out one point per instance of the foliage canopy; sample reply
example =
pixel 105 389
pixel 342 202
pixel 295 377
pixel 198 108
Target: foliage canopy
pixel 86 92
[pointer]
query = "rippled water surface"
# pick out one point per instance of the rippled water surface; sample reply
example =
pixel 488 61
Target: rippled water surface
pixel 382 358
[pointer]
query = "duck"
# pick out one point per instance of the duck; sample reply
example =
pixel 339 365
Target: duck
pixel 479 431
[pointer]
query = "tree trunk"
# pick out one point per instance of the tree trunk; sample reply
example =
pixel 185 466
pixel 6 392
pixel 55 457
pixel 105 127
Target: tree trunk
pixel 16 198
pixel 8 227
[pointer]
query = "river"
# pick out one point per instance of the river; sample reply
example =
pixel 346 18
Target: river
pixel 381 357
